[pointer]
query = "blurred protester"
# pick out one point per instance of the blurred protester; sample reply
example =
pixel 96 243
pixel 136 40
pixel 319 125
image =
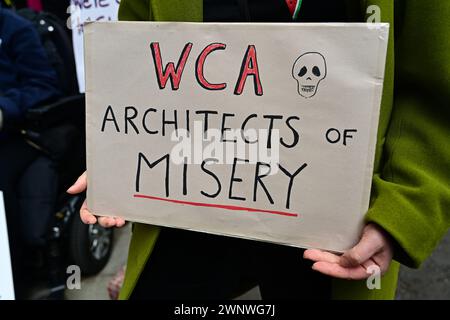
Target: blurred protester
pixel 57 7
pixel 26 81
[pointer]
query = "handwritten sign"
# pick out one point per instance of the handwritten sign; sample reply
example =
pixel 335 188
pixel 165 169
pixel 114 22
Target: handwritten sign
pixel 258 131
pixel 6 278
pixel 83 11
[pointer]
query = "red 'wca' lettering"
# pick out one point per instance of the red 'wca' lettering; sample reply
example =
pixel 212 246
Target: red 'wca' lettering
pixel 249 68
pixel 200 65
pixel 170 72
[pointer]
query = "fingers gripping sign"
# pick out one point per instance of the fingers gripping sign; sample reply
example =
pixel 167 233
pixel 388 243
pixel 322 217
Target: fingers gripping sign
pixel 88 217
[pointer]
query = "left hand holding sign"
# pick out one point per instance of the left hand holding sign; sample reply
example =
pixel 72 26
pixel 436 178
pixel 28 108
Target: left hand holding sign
pixel 374 249
pixel 88 217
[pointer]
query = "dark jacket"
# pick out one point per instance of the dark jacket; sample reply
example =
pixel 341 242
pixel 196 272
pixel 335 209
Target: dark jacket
pixel 26 77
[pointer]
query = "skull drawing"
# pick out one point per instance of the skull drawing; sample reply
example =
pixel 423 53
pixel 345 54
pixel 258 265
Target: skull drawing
pixel 309 70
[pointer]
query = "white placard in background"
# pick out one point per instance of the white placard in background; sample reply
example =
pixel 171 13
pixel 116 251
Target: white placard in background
pixel 6 280
pixel 83 11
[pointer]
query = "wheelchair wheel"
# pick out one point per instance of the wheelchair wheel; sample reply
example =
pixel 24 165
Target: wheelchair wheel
pixel 90 246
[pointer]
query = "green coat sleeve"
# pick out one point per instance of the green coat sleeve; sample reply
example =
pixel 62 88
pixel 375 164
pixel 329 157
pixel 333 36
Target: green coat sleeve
pixel 411 193
pixel 161 10
pixel 135 10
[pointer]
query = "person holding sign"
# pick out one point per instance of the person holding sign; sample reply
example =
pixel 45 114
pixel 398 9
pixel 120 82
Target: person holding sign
pixel 410 195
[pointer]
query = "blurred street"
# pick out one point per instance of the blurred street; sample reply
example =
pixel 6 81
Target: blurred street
pixel 432 281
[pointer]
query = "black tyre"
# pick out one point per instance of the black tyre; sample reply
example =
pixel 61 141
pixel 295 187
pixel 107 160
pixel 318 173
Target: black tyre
pixel 90 246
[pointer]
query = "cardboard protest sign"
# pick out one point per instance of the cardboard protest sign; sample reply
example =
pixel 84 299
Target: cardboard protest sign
pixel 6 278
pixel 81 12
pixel 258 131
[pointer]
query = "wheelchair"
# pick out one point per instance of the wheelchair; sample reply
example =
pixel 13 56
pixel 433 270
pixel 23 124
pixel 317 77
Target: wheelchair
pixel 54 234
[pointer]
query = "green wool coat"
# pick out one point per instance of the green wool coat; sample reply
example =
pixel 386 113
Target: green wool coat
pixel 411 180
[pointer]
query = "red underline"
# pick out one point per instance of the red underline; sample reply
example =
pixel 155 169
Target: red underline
pixel 219 206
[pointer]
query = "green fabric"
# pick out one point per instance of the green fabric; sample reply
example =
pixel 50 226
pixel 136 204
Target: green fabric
pixel 411 184
pixel 162 10
pixel 141 247
pixel 411 188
